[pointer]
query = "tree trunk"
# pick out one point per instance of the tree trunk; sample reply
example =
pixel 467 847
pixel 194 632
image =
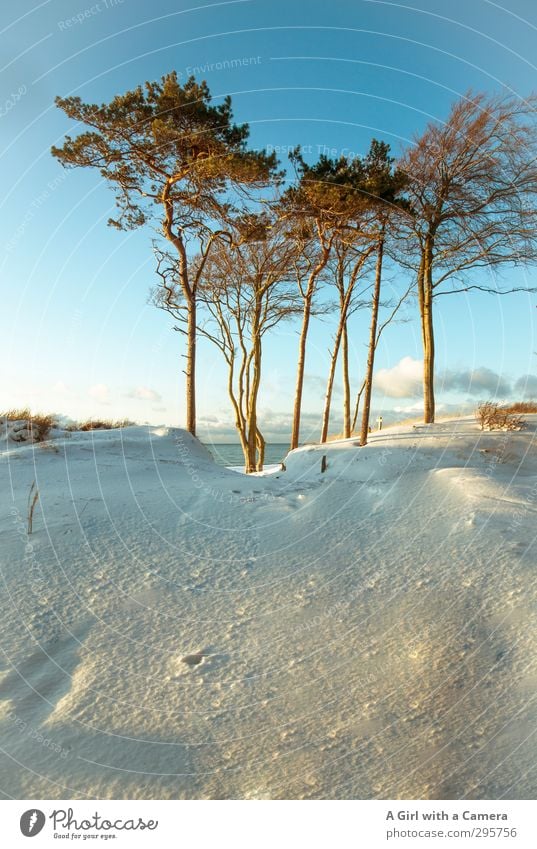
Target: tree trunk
pixel 245 447
pixel 330 382
pixel 357 405
pixel 239 417
pixel 368 383
pixel 425 289
pixel 345 298
pixel 189 293
pixel 301 363
pixel 190 371
pixel 347 430
pixel 306 314
pixel 428 367
pixel 260 451
pixel 253 387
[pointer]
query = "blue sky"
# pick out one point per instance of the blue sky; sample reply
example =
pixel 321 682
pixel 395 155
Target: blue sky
pixel 78 335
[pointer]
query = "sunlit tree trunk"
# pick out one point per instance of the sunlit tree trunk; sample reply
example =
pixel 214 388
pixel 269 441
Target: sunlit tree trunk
pixel 260 451
pixel 301 363
pixel 189 293
pixel 330 381
pixel 253 391
pixel 425 298
pixel 345 298
pixel 347 429
pixel 368 383
pixel 301 360
pixel 357 405
pixel 190 371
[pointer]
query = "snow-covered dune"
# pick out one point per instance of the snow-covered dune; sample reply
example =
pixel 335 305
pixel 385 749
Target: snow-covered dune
pixel 173 629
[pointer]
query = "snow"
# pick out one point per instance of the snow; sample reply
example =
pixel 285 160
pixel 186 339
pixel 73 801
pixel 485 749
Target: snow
pixel 172 629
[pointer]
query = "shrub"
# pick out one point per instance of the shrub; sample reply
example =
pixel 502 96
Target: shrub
pixel 522 407
pixel 17 415
pixel 101 424
pixel 38 426
pixel 493 416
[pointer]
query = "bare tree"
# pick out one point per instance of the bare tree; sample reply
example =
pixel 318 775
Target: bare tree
pixel 244 292
pixel 351 254
pixel 376 330
pixel 473 195
pixel 380 190
pixel 324 203
pixel 315 252
pixel 387 204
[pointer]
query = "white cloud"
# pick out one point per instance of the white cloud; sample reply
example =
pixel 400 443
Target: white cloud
pixel 475 382
pixel 440 408
pixel 100 392
pixel 275 426
pixel 410 408
pixel 144 393
pixel 404 380
pixel 527 385
pixel 401 381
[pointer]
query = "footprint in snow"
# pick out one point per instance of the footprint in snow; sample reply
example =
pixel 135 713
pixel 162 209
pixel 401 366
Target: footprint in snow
pixel 186 665
pixel 203 662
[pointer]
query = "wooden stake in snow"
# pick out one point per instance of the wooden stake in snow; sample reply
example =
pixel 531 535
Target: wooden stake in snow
pixel 31 505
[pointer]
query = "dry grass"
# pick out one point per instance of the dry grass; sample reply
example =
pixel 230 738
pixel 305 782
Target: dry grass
pixel 41 425
pixel 101 424
pixel 522 407
pixel 493 416
pixel 38 425
pixel 17 415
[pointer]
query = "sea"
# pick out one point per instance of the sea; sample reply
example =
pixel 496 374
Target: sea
pixel 230 454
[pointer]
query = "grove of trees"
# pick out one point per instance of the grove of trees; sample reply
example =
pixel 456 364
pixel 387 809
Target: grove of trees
pixel 244 245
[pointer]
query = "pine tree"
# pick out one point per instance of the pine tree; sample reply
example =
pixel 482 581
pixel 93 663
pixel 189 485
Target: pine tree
pixel 169 154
